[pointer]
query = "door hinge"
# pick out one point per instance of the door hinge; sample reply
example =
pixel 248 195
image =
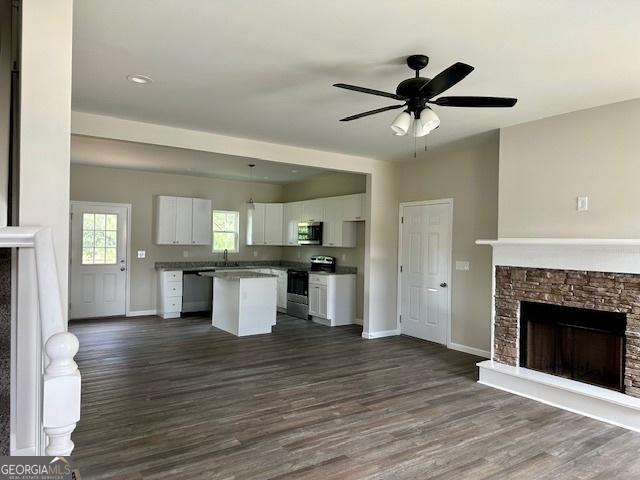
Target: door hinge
pixel 400 268
pixel 401 219
pixel 400 318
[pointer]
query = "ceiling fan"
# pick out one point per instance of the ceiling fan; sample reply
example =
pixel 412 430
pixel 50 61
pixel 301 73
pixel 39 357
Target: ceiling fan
pixel 419 91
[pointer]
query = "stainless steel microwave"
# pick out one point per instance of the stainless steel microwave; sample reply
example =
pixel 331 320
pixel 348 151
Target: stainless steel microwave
pixel 310 233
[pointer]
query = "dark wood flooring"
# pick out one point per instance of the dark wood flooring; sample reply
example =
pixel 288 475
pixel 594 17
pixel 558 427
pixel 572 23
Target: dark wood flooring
pixel 178 399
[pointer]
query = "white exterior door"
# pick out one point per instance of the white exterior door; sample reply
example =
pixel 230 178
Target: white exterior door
pixel 425 258
pixel 98 260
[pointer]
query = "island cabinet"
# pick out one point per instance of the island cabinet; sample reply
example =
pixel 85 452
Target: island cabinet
pixel 182 221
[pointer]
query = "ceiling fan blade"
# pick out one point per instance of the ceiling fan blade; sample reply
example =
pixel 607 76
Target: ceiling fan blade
pixel 446 79
pixel 475 102
pixel 368 90
pixel 370 112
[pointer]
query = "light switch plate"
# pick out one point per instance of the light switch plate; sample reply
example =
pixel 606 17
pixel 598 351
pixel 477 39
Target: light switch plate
pixel 582 204
pixel 462 265
pixel 142 253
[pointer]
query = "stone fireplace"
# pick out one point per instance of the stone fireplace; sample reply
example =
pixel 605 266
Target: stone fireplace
pixel 584 324
pixel 566 325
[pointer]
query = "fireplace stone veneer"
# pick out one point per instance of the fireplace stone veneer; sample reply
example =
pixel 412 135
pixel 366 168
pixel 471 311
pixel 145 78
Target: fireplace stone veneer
pixel 613 292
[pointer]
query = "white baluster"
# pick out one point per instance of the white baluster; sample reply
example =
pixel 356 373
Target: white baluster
pixel 61 394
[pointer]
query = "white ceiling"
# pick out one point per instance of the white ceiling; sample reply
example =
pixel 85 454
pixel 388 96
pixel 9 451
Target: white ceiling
pixel 137 156
pixel 264 69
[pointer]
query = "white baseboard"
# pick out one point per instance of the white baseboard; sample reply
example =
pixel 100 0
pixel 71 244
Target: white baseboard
pixel 380 334
pixel 141 313
pixel 577 397
pixel 471 350
pixel 19 452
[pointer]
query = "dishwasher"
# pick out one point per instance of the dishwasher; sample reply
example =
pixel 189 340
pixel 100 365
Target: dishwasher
pixel 196 292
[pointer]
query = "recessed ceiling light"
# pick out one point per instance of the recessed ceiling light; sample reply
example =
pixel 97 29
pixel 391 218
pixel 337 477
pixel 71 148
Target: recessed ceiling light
pixel 142 79
pixel 294 171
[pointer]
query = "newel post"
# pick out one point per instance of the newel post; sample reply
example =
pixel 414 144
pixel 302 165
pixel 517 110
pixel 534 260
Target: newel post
pixel 61 394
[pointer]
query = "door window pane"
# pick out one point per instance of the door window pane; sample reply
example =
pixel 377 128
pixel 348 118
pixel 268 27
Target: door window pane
pixel 99 239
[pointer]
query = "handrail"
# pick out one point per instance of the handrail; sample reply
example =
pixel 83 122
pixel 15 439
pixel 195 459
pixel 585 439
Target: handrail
pixel 61 377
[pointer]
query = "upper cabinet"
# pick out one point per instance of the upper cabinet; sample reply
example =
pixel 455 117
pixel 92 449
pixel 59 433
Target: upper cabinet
pixel 312 210
pixel 292 216
pixel 265 224
pixel 353 207
pixel 336 232
pixel 182 221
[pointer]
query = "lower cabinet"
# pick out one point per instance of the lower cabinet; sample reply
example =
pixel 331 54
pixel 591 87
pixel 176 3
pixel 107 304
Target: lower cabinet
pixel 332 299
pixel 170 294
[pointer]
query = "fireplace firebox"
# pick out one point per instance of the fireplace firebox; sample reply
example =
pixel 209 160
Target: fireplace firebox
pixel 576 343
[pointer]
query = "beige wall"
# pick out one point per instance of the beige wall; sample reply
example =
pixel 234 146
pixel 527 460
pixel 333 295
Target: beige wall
pixel 328 185
pixel 98 184
pixel 546 164
pixel 467 172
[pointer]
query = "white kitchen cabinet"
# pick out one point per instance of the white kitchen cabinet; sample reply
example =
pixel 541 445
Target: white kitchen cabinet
pixel 182 221
pixel 169 294
pixel 292 216
pixel 353 207
pixel 202 229
pixel 312 210
pixel 332 299
pixel 336 232
pixel 255 224
pixel 273 221
pixel 165 221
pixel 264 224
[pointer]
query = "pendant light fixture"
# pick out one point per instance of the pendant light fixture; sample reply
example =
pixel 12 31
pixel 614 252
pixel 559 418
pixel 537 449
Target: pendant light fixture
pixel 252 205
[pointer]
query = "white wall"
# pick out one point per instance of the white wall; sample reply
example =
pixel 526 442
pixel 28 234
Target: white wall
pixel 466 171
pixel 44 180
pixel 381 241
pixel 546 164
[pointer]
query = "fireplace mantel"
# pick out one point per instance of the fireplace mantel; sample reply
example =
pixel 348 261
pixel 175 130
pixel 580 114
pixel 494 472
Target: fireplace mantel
pixel 616 255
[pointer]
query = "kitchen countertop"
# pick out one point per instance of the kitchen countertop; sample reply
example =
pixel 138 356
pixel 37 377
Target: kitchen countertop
pixel 236 275
pixel 218 265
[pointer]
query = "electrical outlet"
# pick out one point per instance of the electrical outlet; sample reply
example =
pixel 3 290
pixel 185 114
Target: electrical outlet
pixel 185 253
pixel 344 257
pixel 142 253
pixel 255 253
pixel 582 204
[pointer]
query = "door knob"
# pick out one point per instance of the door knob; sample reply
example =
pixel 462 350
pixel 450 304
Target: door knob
pixel 443 284
pixel 122 269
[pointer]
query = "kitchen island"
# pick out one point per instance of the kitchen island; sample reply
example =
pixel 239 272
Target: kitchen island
pixel 244 302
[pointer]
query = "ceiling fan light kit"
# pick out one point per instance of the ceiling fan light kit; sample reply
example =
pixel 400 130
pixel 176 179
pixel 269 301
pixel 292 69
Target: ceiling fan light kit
pixel 419 91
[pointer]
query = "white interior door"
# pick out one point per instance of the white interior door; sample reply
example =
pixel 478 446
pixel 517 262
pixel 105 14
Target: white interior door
pixel 425 258
pixel 98 260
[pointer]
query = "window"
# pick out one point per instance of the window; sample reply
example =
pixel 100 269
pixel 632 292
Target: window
pixel 226 230
pixel 99 238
